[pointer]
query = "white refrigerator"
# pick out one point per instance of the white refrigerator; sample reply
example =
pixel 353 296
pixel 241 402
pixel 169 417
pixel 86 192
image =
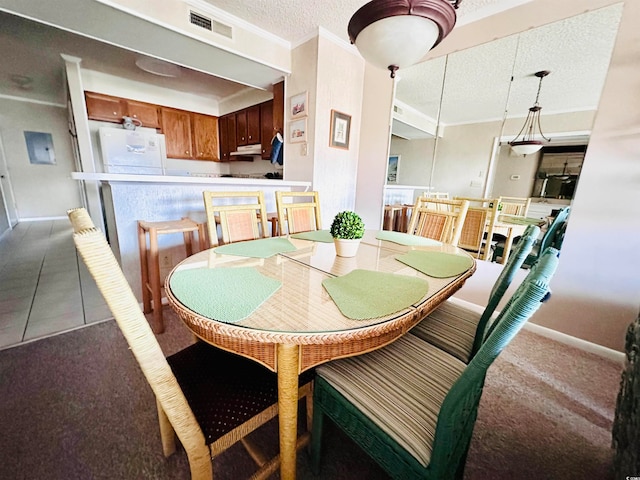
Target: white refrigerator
pixel 141 151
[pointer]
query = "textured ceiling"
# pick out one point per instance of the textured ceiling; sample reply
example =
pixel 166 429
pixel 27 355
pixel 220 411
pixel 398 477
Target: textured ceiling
pixel 576 50
pixel 295 19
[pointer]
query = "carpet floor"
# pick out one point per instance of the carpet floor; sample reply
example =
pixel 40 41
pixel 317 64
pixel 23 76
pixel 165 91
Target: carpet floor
pixel 76 406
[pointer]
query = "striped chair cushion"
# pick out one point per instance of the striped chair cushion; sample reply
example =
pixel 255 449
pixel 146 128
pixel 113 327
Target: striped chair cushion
pixel 451 327
pixel 400 388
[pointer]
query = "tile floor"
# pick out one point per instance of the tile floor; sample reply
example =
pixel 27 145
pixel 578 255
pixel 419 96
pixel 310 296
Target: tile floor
pixel 45 287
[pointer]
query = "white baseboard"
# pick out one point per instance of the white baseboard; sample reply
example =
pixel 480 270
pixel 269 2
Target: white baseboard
pixel 42 219
pixel 605 352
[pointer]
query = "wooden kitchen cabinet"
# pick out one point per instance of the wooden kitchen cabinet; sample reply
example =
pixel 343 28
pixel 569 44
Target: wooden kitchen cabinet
pixel 253 125
pixel 147 113
pixel 107 108
pixel 176 127
pixel 205 137
pixel 248 126
pixel 267 130
pixel 104 107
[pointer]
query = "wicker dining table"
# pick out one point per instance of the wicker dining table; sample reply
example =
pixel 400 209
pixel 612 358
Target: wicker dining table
pixel 300 326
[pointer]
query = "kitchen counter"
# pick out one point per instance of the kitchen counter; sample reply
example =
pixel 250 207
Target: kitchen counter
pixel 127 198
pixel 201 179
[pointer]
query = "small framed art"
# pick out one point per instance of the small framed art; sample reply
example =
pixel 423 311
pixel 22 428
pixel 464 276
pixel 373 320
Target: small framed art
pixel 298 130
pixel 340 130
pixel 392 169
pixel 298 107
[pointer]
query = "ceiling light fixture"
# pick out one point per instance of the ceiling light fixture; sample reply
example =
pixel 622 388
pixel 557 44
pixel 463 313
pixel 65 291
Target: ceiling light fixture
pixel 531 142
pixel 158 67
pixel 395 34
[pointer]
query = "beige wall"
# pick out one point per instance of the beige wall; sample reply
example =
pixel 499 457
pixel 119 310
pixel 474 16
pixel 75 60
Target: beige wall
pixel 41 191
pixel 377 102
pixel 596 289
pixel 416 160
pixel 297 165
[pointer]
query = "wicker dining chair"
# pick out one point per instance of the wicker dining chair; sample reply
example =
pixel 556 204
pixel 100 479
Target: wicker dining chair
pixel 411 406
pixel 477 229
pixel 237 221
pixel 439 219
pixel 299 211
pixel 209 398
pixel 458 327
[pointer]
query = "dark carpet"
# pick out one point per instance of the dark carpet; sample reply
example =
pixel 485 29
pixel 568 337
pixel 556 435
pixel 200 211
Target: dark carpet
pixel 76 406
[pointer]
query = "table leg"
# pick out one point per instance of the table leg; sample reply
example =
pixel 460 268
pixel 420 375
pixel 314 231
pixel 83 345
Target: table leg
pixel 288 408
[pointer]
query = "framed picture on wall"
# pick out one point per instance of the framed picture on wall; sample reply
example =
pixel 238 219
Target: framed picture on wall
pixel 298 105
pixel 298 130
pixel 392 169
pixel 340 130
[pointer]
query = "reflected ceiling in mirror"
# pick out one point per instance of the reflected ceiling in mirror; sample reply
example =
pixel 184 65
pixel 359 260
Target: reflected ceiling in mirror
pixel 576 50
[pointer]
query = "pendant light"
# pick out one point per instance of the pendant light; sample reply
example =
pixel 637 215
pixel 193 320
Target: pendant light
pixel 395 34
pixel 531 142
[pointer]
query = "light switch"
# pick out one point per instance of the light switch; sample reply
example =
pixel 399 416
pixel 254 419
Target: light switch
pixel 303 149
pixel 515 177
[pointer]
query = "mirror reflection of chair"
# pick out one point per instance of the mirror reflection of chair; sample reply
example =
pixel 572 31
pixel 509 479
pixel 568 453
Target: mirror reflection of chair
pixel 299 211
pixel 207 397
pixel 552 237
pixel 514 206
pixel 439 219
pixel 457 326
pixel 478 226
pixel 411 406
pixel 237 221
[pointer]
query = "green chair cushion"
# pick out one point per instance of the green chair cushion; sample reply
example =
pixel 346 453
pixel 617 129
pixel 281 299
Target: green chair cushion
pixel 400 388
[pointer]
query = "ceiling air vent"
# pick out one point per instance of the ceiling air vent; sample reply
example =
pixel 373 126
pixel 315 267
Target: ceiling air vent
pixel 207 23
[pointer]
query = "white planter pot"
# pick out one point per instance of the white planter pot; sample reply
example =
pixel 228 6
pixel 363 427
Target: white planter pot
pixel 346 248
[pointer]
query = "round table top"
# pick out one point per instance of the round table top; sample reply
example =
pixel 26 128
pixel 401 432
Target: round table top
pixel 301 310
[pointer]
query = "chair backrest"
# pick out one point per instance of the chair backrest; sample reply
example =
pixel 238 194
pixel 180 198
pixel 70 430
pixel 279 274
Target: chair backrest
pixel 299 211
pixel 518 255
pixel 460 407
pixel 478 224
pixel 558 225
pixel 80 219
pixel 104 268
pixel 514 205
pixel 439 219
pixel 238 221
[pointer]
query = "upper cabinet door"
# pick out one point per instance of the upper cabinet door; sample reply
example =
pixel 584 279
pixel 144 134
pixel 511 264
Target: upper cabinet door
pixel 267 129
pixel 147 113
pixel 205 137
pixel 176 126
pixel 241 127
pixel 104 107
pixel 253 125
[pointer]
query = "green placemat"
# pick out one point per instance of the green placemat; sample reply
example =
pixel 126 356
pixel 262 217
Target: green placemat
pixel 223 294
pixel 521 220
pixel 262 248
pixel 405 238
pixel 363 294
pixel 436 264
pixel 315 235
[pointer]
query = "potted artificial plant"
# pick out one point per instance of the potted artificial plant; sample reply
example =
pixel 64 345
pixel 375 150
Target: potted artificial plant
pixel 347 230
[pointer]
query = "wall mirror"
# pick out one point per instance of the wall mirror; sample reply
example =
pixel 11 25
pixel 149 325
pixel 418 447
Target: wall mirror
pixel 485 96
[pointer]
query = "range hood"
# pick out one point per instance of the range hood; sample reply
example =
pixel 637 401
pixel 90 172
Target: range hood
pixel 248 150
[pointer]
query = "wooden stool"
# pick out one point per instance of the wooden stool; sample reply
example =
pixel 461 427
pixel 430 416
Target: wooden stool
pixel 150 260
